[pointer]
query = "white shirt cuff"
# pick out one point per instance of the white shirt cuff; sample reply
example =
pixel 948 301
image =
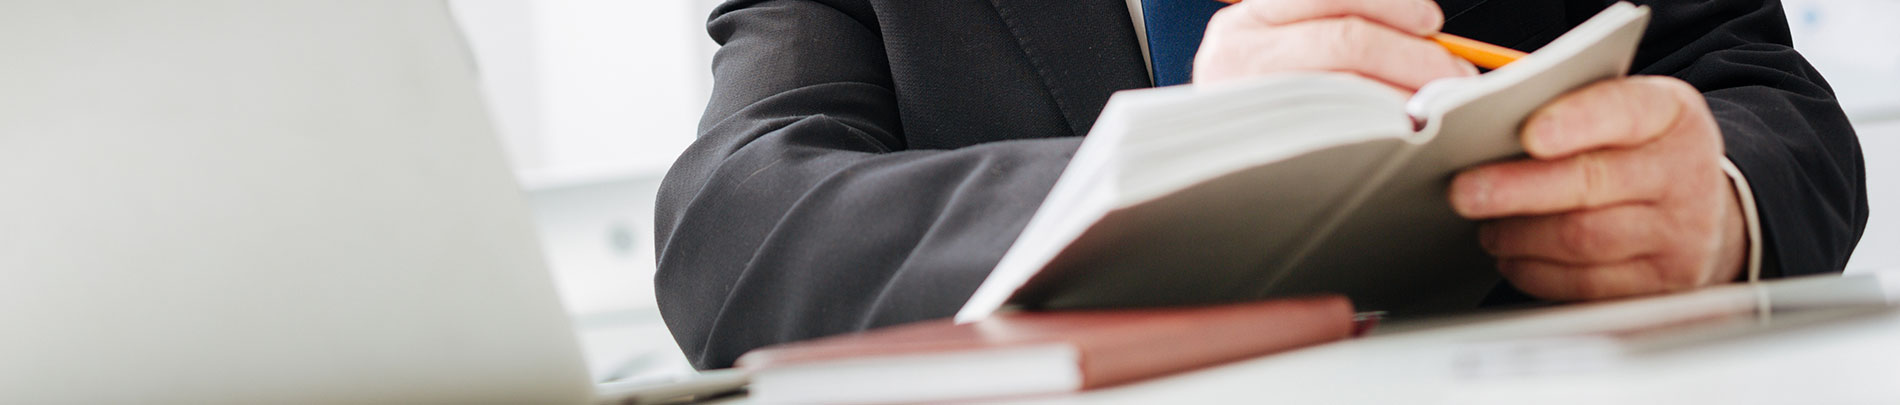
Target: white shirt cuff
pixel 1753 220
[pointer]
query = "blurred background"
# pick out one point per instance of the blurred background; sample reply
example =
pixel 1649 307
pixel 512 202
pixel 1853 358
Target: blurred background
pixel 595 98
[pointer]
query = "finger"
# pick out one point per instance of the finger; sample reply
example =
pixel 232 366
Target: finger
pixel 1608 235
pixel 1611 113
pixel 1357 46
pixel 1569 282
pixel 1536 187
pixel 1417 17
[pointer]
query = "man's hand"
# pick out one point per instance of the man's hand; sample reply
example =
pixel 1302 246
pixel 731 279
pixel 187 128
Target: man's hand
pixel 1379 39
pixel 1624 195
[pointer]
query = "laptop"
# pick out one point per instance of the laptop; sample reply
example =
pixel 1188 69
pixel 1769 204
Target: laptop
pixel 293 201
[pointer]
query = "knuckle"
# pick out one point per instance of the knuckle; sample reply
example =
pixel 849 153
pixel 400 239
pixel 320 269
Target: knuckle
pixel 1594 175
pixel 1581 237
pixel 1629 101
pixel 1228 18
pixel 1343 41
pixel 1306 8
pixel 1214 53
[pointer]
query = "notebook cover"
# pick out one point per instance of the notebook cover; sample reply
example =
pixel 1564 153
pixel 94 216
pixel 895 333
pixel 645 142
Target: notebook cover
pixel 1116 346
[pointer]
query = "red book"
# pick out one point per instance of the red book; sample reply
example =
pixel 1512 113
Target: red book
pixel 1022 353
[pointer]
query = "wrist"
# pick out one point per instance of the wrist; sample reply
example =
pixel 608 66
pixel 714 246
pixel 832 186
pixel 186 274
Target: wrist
pixel 1732 256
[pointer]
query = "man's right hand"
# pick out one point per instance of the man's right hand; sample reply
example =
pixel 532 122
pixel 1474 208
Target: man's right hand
pixel 1382 40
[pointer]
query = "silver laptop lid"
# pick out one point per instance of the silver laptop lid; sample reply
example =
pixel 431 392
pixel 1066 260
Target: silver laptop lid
pixel 262 202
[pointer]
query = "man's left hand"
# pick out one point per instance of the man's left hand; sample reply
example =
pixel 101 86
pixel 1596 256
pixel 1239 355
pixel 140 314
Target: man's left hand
pixel 1624 195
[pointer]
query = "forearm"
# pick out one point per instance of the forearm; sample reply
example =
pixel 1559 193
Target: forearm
pixel 801 211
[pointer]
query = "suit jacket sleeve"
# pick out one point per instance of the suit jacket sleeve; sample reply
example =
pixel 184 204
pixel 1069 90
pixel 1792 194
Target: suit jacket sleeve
pixel 799 212
pixel 1780 123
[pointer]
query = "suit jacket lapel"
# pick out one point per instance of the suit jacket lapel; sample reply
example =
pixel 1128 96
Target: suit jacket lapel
pixel 1084 50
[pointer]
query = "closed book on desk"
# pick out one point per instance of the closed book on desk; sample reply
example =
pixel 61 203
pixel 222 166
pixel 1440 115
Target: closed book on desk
pixel 1025 353
pixel 1292 184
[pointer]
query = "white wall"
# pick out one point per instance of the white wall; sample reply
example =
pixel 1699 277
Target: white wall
pixel 595 98
pixel 1851 42
pixel 1880 245
pixel 592 90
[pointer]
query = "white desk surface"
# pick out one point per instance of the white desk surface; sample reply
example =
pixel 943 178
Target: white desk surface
pixel 1846 362
pixel 1850 361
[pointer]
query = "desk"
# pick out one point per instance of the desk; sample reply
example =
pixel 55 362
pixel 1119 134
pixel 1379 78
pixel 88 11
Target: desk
pixel 1847 361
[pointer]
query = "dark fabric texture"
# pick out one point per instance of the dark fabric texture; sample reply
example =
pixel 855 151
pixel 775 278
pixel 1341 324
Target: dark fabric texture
pixel 1174 31
pixel 865 163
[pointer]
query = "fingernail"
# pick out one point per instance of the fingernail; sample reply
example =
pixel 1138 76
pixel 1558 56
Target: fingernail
pixel 1470 191
pixel 1434 18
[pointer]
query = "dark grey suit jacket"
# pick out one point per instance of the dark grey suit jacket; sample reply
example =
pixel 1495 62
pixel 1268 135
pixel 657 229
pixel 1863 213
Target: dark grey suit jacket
pixel 866 162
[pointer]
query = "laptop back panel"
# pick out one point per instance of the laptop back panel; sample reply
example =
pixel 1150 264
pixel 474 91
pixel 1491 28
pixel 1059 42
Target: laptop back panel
pixel 262 202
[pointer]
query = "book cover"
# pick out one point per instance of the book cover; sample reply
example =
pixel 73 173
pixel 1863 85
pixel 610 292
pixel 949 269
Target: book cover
pixel 1293 184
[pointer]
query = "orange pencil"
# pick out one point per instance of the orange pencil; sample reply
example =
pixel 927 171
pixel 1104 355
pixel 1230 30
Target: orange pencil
pixel 1484 55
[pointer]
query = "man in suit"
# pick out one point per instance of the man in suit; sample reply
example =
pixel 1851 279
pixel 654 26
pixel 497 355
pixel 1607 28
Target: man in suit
pixel 864 163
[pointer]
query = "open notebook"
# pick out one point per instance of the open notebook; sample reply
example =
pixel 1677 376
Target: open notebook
pixel 1294 184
